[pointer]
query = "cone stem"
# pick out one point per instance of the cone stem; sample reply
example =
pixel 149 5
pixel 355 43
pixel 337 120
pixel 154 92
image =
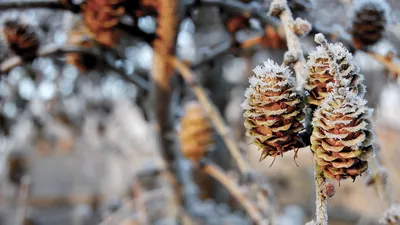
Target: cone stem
pixel 321 203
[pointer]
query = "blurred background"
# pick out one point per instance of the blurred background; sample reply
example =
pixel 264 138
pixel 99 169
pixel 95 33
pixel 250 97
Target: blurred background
pixel 77 146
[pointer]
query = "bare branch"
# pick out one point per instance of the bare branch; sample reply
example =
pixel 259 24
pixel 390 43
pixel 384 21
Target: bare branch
pixel 218 174
pixel 293 41
pixel 52 50
pixel 50 4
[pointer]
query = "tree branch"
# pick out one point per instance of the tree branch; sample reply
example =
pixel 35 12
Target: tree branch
pixel 50 4
pixel 52 50
pixel 321 202
pixel 218 174
pixel 293 41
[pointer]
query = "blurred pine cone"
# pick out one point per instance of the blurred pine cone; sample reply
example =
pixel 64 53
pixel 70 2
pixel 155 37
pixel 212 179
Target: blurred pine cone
pixel 196 132
pixel 101 17
pixel 78 36
pixel 320 78
pixel 300 8
pixel 342 136
pixel 369 20
pixel 17 167
pixel 21 39
pixel 273 110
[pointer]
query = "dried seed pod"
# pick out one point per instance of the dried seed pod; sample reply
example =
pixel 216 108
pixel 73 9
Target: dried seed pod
pixel 196 132
pixel 78 36
pixel 369 20
pixel 342 136
pixel 321 76
pixel 101 17
pixel 21 38
pixel 273 110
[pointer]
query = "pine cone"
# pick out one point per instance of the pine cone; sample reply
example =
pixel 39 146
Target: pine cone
pixel 369 21
pixel 101 17
pixel 320 75
pixel 196 132
pixel 273 110
pixel 79 36
pixel 342 136
pixel 300 8
pixel 21 38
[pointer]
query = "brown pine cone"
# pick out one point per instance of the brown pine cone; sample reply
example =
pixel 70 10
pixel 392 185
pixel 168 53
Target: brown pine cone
pixel 78 36
pixel 342 136
pixel 369 20
pixel 300 8
pixel 101 17
pixel 273 110
pixel 196 132
pixel 21 39
pixel 320 76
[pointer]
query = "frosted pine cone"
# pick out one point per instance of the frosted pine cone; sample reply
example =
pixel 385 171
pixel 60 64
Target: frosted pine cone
pixel 21 39
pixel 369 21
pixel 320 75
pixel 101 17
pixel 79 36
pixel 273 110
pixel 196 132
pixel 342 136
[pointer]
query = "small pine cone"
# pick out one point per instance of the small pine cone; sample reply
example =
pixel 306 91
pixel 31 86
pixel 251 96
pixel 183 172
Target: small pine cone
pixel 17 167
pixel 320 77
pixel 342 136
pixel 21 38
pixel 369 20
pixel 79 36
pixel 196 132
pixel 101 17
pixel 273 110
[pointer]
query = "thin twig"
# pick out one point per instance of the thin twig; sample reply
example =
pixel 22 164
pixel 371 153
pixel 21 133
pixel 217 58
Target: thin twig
pixel 140 204
pixel 321 203
pixel 52 50
pixel 213 113
pixel 22 198
pixel 389 64
pixel 218 174
pixel 293 41
pixel 51 4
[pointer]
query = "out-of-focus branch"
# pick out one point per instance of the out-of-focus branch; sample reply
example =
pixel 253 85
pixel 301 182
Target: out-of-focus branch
pixel 249 10
pixel 218 174
pixel 389 64
pixel 52 4
pixel 214 115
pixel 52 50
pixel 22 198
pixel 280 8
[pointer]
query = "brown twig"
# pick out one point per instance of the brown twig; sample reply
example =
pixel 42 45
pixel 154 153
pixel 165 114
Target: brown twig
pixel 218 174
pixel 213 113
pixel 389 64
